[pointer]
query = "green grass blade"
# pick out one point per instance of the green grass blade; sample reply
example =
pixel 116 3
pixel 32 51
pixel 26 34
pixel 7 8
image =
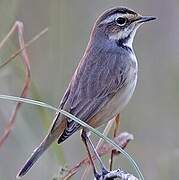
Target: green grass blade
pixel 42 104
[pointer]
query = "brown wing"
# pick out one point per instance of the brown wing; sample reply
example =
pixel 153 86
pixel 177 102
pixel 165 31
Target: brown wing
pixel 95 81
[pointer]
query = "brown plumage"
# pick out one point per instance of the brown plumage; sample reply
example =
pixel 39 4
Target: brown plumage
pixel 103 82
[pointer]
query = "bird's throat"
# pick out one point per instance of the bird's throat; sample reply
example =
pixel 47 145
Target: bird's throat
pixel 125 43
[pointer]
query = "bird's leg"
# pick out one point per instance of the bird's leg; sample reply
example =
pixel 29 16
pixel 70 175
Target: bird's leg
pixel 116 128
pixel 104 170
pixel 84 137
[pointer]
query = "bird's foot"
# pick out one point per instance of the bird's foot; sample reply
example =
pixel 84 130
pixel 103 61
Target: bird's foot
pixel 101 176
pixel 104 171
pixel 97 176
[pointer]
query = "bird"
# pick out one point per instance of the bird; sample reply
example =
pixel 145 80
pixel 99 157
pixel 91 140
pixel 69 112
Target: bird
pixel 102 84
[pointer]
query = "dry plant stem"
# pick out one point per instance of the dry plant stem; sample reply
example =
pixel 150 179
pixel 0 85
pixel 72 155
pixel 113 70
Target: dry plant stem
pixel 122 140
pixel 116 128
pixel 19 27
pixel 6 61
pixel 105 132
pixel 23 49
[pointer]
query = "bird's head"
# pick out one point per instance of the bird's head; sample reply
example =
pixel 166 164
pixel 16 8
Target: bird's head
pixel 119 24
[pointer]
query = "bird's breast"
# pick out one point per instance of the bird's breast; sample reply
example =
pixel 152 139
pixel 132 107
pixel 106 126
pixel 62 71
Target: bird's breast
pixel 121 98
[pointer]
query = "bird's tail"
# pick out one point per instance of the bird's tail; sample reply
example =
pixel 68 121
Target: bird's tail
pixel 36 155
pixel 55 131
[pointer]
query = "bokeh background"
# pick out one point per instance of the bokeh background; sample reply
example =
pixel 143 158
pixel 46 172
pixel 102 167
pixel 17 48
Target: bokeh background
pixel 152 114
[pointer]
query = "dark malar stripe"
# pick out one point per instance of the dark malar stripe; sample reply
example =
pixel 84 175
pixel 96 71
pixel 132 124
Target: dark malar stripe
pixel 121 43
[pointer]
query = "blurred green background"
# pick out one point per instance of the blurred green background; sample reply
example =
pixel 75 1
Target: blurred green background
pixel 152 114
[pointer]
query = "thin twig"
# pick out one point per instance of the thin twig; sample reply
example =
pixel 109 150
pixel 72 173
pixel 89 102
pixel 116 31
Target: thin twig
pixel 19 26
pixel 23 49
pixel 6 61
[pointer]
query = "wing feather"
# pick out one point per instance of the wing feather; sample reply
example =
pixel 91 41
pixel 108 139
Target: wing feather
pixel 96 80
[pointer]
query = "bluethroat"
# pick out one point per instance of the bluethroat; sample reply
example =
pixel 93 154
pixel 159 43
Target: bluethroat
pixel 103 82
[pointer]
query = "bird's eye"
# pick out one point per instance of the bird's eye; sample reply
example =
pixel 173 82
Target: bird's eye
pixel 121 21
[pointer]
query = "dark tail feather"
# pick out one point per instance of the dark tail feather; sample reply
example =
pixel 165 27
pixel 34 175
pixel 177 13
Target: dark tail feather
pixel 36 155
pixel 56 130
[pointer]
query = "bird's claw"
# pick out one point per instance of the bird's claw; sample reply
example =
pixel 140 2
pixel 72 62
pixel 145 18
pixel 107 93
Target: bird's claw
pixel 104 171
pixel 102 175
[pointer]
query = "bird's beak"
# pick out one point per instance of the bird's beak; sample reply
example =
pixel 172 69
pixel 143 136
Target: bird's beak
pixel 142 19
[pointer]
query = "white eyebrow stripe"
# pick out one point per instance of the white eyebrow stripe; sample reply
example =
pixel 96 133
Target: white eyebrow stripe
pixel 112 18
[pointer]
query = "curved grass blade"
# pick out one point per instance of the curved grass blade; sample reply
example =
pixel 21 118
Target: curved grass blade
pixel 42 104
